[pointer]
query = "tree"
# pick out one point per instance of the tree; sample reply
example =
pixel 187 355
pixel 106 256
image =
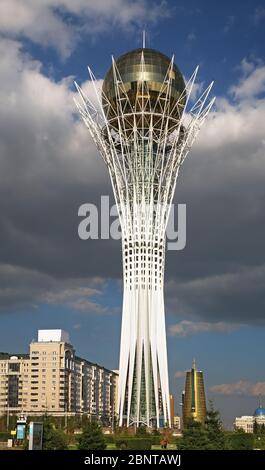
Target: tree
pixel 53 439
pixel 92 437
pixel 255 428
pixel 141 432
pixel 214 429
pixel 258 429
pixel 239 440
pixel 194 437
pixel 208 436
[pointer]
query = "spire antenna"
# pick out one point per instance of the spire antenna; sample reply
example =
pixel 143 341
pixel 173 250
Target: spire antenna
pixel 144 39
pixel 260 401
pixel 194 364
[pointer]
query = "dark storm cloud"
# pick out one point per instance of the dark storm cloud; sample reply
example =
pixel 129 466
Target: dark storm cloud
pixel 49 167
pixel 221 274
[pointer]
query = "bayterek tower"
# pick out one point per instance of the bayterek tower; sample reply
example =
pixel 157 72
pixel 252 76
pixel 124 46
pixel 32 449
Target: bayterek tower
pixel 143 121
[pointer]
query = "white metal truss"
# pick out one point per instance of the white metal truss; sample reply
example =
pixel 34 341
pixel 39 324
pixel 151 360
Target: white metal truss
pixel 144 145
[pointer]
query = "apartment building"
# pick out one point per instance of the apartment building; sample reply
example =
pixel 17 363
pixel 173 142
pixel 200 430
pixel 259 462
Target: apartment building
pixel 53 380
pixel 14 383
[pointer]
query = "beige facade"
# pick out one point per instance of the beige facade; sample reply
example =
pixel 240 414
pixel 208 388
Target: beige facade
pixel 246 423
pixel 14 384
pixel 53 380
pixel 177 423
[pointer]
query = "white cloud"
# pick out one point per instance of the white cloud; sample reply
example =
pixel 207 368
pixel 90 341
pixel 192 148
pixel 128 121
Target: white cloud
pixel 235 125
pixel 240 388
pixel 52 153
pixel 43 113
pixel 46 23
pixel 187 328
pixel 179 374
pixel 42 146
pixel 252 82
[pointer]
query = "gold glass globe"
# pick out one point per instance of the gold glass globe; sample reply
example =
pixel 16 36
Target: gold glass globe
pixel 143 82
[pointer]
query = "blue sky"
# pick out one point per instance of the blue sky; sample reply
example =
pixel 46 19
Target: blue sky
pixel 49 166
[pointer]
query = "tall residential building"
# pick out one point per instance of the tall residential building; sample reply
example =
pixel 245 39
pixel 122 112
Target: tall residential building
pixel 143 125
pixel 14 383
pixel 193 399
pixel 53 380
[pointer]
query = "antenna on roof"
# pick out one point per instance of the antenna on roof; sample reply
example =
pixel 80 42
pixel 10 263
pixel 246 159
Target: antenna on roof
pixel 144 39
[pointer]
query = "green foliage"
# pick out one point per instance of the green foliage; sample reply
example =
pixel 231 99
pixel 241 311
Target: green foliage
pixel 92 437
pixel 214 429
pixel 109 438
pixel 134 443
pixel 4 420
pixel 203 437
pixel 194 437
pixel 258 429
pixel 239 440
pixel 121 444
pixel 141 432
pixel 259 442
pixel 53 439
pixel 156 440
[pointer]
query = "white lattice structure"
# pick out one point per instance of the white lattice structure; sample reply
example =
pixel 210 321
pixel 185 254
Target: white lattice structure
pixel 144 142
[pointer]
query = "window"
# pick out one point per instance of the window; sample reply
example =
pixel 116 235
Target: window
pixel 14 367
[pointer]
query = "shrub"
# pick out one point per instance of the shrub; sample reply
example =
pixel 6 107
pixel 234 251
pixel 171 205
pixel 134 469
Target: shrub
pixel 239 440
pixel 4 436
pixel 134 443
pixel 139 443
pixel 121 444
pixel 109 438
pixel 92 437
pixel 53 439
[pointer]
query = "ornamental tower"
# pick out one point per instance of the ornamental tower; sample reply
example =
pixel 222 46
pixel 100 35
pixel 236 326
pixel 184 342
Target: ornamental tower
pixel 143 124
pixel 194 402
